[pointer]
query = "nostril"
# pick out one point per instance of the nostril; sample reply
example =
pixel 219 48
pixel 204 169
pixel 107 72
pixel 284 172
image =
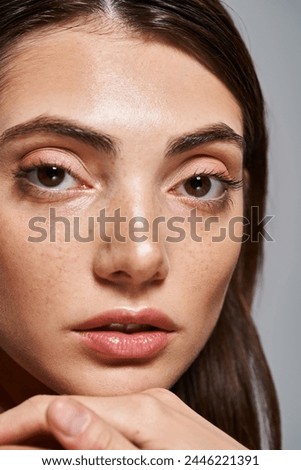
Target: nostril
pixel 120 274
pixel 129 265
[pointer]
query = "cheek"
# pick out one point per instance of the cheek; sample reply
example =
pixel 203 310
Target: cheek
pixel 209 267
pixel 209 255
pixel 34 277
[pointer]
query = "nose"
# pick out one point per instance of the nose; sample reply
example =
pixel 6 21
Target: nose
pixel 130 262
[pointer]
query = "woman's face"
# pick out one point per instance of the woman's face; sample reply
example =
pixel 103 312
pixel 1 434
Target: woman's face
pixel 96 126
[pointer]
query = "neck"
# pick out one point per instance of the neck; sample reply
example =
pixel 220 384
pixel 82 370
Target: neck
pixel 17 385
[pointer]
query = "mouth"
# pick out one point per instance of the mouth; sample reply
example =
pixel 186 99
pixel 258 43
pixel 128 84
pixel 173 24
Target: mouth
pixel 123 334
pixel 127 328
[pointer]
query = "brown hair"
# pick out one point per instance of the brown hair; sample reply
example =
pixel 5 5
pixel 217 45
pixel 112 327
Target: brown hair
pixel 229 383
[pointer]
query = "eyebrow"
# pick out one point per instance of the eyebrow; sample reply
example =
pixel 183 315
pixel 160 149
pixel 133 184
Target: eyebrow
pixel 219 132
pixel 62 127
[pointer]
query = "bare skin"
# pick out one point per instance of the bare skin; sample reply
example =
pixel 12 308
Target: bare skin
pixel 155 419
pixel 146 96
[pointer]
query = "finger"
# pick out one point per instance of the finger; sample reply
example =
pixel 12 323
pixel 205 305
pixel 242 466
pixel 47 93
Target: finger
pixel 135 415
pixel 19 448
pixel 25 420
pixel 77 427
pixel 141 417
pixel 127 414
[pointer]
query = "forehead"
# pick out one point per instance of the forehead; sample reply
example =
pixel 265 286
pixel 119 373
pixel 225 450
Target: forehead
pixel 97 77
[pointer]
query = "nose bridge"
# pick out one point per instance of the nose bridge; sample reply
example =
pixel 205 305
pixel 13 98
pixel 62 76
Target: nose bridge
pixel 137 207
pixel 133 252
pixel 137 210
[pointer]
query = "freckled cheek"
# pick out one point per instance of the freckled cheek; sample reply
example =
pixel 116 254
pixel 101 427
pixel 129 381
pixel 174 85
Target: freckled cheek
pixel 207 269
pixel 35 278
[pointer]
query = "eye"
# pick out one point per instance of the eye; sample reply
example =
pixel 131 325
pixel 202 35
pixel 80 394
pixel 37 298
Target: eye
pixel 201 187
pixel 51 177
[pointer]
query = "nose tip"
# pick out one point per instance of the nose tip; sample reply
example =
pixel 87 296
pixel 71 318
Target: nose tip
pixel 132 264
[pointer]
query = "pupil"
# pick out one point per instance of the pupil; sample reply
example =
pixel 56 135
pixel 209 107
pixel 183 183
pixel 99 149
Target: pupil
pixel 198 186
pixel 51 175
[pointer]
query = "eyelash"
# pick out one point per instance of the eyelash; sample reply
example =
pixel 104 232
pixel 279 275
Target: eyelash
pixel 213 205
pixel 30 188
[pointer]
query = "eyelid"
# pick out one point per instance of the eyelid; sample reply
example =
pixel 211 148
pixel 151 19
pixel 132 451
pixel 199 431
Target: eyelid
pixel 197 164
pixel 213 169
pixel 64 159
pixel 210 205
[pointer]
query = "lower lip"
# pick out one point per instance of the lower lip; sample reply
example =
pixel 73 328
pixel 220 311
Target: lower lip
pixel 117 345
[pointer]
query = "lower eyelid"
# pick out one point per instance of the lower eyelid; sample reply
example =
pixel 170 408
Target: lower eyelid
pixel 212 206
pixel 44 194
pixel 39 194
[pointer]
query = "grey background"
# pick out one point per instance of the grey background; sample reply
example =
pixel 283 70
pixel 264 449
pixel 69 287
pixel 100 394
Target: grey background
pixel 272 31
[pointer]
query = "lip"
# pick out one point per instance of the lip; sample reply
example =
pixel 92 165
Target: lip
pixel 118 345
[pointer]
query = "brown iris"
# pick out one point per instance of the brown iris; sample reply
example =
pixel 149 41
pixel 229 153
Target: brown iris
pixel 198 186
pixel 51 176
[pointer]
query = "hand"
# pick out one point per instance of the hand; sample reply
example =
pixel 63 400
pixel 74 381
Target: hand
pixel 154 419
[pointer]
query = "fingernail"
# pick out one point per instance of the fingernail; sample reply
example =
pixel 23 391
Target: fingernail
pixel 69 417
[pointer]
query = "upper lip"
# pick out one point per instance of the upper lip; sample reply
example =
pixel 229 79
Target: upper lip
pixel 147 316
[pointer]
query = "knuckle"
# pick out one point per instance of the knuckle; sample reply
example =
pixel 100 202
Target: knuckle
pixel 148 404
pixel 164 395
pixel 160 392
pixel 107 440
pixel 103 439
pixel 37 402
pixel 35 408
pixel 37 405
